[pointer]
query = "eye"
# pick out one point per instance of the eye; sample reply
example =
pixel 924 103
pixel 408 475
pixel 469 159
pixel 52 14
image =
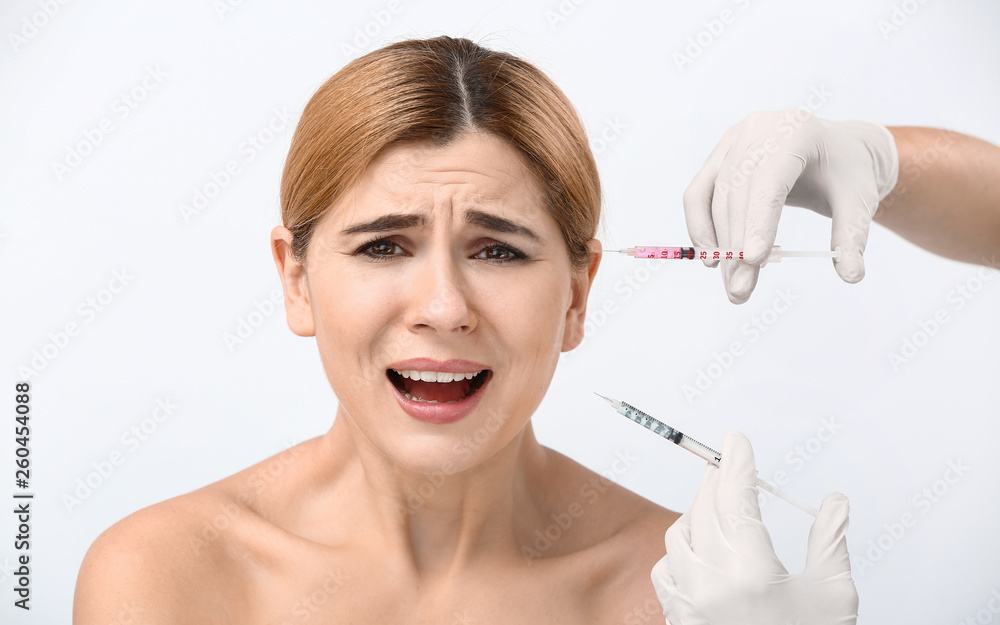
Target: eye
pixel 500 253
pixel 380 249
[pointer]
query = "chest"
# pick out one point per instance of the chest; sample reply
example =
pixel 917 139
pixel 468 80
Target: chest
pixel 361 592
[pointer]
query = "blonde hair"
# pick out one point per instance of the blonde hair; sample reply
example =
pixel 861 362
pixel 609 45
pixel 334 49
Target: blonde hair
pixel 435 90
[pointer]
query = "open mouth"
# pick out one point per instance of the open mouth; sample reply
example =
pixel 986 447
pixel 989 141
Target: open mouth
pixel 434 387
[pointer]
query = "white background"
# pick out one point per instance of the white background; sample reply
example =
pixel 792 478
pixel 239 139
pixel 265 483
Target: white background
pixel 218 78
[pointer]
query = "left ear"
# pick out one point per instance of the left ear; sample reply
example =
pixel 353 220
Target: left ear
pixel 576 316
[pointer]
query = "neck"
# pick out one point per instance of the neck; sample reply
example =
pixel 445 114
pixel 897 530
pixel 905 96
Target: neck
pixel 440 523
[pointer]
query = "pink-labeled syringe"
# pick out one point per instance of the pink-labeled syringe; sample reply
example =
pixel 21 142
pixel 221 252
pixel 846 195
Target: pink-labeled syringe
pixel 714 253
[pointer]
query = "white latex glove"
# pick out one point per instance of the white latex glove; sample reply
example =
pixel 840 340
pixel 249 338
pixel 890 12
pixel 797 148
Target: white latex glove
pixel 841 169
pixel 721 569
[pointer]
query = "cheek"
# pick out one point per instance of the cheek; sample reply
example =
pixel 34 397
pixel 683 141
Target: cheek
pixel 348 312
pixel 529 314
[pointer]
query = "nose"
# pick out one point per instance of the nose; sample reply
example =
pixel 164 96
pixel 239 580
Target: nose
pixel 439 298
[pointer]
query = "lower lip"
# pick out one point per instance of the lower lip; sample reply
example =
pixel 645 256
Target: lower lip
pixel 440 414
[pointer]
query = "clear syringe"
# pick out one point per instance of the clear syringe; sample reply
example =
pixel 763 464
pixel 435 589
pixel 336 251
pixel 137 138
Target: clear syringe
pixel 702 451
pixel 714 253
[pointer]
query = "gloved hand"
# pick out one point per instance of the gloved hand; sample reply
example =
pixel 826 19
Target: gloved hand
pixel 721 569
pixel 841 169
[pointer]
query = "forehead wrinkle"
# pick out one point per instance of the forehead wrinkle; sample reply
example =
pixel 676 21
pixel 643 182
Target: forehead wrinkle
pixel 419 183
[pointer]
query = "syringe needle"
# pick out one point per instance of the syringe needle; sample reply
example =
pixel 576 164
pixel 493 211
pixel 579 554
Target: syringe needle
pixel 702 451
pixel 614 402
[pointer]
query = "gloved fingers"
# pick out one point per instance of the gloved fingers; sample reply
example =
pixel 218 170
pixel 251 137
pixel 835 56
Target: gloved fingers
pixel 827 555
pixel 702 519
pixel 720 216
pixel 679 610
pixel 681 559
pixel 737 475
pixel 740 277
pixel 677 538
pixel 691 580
pixel 852 216
pixel 672 601
pixel 757 205
pixel 663 582
pixel 698 215
pixel 737 506
pixel 699 197
pixel 769 188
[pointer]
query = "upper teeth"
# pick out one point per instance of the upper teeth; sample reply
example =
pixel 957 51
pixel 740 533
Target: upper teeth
pixel 436 376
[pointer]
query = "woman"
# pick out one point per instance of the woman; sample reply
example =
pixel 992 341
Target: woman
pixel 440 203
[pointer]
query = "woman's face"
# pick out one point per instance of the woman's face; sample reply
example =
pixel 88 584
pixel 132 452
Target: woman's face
pixel 440 292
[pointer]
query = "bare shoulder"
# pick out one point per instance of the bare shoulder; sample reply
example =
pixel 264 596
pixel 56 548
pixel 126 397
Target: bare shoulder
pixel 160 565
pixel 622 515
pixel 185 559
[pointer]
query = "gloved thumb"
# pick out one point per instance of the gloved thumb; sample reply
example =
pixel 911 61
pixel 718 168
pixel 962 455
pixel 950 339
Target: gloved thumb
pixel 852 216
pixel 737 505
pixel 827 556
pixel 680 563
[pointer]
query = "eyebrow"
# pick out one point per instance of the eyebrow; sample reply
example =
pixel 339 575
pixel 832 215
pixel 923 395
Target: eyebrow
pixel 402 221
pixel 498 224
pixel 395 221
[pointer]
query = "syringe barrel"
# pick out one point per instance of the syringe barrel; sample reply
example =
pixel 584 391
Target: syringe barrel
pixel 685 253
pixel 702 451
pixel 663 253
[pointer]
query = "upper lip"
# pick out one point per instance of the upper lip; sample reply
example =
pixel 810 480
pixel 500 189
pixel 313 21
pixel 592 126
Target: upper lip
pixel 454 365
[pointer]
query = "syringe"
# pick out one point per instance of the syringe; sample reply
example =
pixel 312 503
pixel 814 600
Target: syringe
pixel 714 253
pixel 702 451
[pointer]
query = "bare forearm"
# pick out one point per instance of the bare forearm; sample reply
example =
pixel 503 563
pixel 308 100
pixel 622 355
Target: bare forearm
pixel 947 198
